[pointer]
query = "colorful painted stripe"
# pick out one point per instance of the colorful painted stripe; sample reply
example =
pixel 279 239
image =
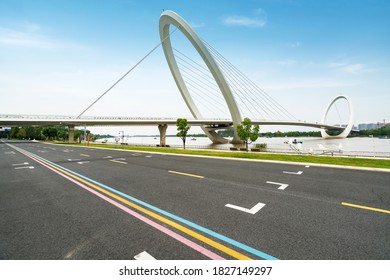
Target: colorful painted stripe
pixel 366 207
pixel 110 191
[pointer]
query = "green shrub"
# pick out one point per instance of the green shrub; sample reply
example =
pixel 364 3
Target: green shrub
pixel 261 146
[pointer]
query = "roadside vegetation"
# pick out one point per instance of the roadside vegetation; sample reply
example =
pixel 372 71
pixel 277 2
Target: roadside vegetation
pixel 60 134
pixel 51 133
pixel 344 161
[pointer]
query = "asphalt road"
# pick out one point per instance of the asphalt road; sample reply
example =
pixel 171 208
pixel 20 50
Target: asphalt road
pixel 59 202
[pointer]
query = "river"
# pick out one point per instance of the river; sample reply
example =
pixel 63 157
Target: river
pixel 355 146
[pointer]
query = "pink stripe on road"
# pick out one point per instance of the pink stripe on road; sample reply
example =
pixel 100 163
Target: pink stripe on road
pixel 172 234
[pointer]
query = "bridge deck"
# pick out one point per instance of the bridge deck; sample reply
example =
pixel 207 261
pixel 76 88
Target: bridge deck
pixel 21 120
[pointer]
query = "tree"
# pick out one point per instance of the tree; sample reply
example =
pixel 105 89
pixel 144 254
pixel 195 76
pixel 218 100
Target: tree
pixel 76 135
pixel 62 134
pixel 50 132
pixel 21 133
pixel 182 127
pixel 247 132
pixel 14 131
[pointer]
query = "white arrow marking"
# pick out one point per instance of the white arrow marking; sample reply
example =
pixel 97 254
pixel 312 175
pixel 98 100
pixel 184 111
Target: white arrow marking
pixel 295 173
pixel 24 167
pixel 148 156
pixel 307 166
pixel 252 211
pixel 108 157
pixel 82 162
pixel 144 256
pixel 17 164
pixel 74 159
pixel 282 186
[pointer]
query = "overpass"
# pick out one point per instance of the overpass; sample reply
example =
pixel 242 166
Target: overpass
pixel 208 124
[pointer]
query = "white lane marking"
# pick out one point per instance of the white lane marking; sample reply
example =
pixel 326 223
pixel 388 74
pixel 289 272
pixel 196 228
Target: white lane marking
pixel 24 167
pixel 82 162
pixel 108 157
pixel 74 159
pixel 307 166
pixel 119 158
pixel 281 185
pixel 17 164
pixel 295 173
pixel 148 156
pixel 118 161
pixel 136 155
pixel 252 211
pixel 144 256
pixel 10 153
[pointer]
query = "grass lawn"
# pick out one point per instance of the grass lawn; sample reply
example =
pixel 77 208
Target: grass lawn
pixel 336 160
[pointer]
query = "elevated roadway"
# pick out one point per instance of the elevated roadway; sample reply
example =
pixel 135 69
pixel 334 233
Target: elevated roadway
pixel 162 123
pixel 37 120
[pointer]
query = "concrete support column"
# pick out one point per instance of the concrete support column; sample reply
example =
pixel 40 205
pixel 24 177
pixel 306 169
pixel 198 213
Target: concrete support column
pixel 236 139
pixel 163 134
pixel 71 133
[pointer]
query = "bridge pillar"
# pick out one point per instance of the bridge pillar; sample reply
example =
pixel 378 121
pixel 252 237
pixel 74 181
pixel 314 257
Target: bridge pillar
pixel 71 133
pixel 163 133
pixel 236 139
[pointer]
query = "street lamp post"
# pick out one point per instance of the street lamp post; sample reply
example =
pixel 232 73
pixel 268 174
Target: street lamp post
pixel 123 137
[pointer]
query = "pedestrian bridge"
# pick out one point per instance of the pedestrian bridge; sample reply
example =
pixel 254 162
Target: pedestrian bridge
pixel 216 84
pixel 208 124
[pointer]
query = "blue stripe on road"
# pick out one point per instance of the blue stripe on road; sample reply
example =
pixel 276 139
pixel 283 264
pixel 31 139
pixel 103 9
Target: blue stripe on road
pixel 177 218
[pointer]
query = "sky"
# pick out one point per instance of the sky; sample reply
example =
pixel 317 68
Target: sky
pixel 58 56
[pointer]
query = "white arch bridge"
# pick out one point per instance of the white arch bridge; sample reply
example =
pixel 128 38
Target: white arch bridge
pixel 216 83
pixel 162 123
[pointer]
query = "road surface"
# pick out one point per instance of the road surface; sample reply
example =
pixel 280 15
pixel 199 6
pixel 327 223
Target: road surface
pixel 63 202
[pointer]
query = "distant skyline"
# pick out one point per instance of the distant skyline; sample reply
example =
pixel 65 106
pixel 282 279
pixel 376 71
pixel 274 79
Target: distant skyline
pixel 57 56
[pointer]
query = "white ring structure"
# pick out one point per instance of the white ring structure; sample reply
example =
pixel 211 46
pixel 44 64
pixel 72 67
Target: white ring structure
pixel 171 18
pixel 349 127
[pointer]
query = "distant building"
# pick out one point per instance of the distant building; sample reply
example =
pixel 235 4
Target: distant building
pixel 369 126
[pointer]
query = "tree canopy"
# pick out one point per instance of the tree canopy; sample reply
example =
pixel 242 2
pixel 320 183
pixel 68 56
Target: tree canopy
pixel 182 127
pixel 247 132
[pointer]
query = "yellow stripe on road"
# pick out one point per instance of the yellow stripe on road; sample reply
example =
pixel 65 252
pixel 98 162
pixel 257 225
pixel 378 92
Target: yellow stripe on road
pixel 149 213
pixel 186 174
pixel 117 161
pixel 366 207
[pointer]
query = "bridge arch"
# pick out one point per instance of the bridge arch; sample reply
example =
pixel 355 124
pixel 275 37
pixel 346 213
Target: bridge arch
pixel 349 127
pixel 171 18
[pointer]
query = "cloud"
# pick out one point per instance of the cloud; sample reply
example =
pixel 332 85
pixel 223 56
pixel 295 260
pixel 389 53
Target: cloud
pixel 30 35
pixel 296 44
pixel 310 84
pixel 287 62
pixel 197 25
pixel 15 38
pixel 350 68
pixel 258 20
pixel 353 68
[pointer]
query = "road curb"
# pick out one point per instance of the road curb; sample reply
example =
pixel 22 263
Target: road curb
pixel 373 169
